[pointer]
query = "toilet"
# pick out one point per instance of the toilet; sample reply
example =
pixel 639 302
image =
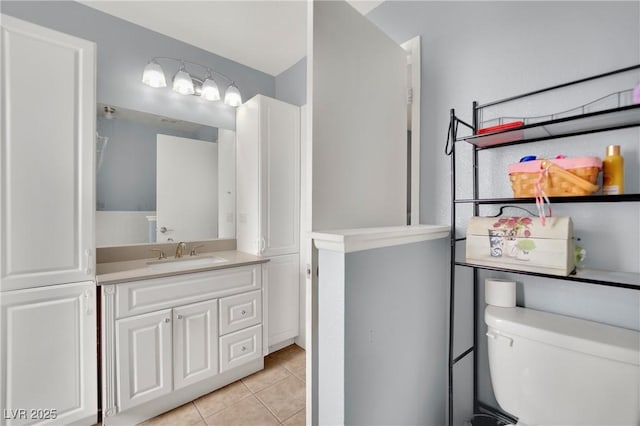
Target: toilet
pixel 549 369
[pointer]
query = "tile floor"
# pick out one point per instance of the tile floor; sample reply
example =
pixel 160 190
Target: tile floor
pixel 273 396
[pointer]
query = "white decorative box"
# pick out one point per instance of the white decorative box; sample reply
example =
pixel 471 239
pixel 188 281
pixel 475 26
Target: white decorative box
pixel 522 243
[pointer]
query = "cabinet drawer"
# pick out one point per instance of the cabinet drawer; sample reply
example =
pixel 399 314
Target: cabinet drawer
pixel 240 311
pixel 139 297
pixel 240 347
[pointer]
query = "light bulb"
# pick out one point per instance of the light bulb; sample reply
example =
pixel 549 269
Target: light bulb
pixel 232 96
pixel 210 90
pixel 153 75
pixel 182 82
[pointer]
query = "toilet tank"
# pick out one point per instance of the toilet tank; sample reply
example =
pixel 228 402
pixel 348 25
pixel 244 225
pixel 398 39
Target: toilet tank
pixel 549 369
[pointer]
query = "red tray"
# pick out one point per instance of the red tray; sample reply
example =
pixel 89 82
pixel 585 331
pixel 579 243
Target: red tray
pixel 499 127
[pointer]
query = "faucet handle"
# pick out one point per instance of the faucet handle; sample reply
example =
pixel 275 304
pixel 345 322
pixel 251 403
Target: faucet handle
pixel 193 251
pixel 161 254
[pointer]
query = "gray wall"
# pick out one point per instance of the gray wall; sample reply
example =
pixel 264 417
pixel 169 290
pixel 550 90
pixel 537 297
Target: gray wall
pixel 123 51
pixel 291 84
pixel 486 51
pixel 394 334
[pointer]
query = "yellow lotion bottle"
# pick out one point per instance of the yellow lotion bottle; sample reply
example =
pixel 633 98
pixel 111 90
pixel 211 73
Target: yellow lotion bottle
pixel 613 171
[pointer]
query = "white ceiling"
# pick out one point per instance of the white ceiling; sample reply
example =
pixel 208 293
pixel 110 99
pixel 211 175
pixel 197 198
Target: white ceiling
pixel 269 36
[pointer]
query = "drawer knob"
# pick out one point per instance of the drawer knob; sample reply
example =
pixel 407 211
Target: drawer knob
pixel 179 316
pixel 167 320
pixel 244 348
pixel 243 312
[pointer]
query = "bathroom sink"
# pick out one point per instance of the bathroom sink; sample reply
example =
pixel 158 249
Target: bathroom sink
pixel 185 262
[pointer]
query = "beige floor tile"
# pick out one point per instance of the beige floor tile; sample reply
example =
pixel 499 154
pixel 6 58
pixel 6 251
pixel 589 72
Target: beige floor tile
pixel 288 352
pixel 221 398
pixel 185 415
pixel 285 398
pixel 295 362
pixel 273 372
pixel 299 419
pixel 299 372
pixel 246 412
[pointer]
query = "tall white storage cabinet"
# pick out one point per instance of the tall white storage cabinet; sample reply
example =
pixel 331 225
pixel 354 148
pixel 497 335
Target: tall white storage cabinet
pixel 268 205
pixel 48 355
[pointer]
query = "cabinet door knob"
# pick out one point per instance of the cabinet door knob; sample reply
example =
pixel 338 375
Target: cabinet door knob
pixel 179 316
pixel 167 320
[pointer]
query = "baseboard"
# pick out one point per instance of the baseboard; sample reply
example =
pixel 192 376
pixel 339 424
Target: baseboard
pixel 281 345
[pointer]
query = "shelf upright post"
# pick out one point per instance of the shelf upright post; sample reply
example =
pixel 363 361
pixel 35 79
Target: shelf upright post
pixel 476 212
pixel 452 136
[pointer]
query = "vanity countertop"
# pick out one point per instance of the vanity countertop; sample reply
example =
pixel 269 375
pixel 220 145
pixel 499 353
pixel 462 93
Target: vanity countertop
pixel 134 270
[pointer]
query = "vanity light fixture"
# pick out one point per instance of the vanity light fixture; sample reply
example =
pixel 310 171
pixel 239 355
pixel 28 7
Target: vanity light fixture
pixel 182 82
pixel 210 89
pixel 186 83
pixel 154 75
pixel 232 96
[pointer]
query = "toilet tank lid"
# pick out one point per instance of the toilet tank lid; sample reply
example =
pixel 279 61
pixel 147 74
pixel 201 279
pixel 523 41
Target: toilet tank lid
pixel 619 344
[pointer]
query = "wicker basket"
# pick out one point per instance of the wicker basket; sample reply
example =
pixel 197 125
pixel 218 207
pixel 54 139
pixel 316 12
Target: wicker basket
pixel 558 177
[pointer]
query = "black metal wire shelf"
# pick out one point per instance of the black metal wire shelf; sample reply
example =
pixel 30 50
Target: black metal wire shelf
pixel 590 276
pixel 577 199
pixel 586 121
pixel 600 121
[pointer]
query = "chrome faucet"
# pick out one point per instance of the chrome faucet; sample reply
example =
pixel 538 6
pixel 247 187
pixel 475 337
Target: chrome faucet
pixel 179 248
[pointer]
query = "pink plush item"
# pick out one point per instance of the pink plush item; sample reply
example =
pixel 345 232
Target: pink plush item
pixel 565 163
pixel 636 94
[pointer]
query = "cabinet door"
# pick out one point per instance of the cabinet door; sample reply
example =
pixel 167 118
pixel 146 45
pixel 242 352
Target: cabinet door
pixel 48 357
pixel 47 167
pixel 280 177
pixel 143 358
pixel 282 287
pixel 195 342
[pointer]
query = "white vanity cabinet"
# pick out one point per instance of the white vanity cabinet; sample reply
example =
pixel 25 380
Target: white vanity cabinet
pixel 282 278
pixel 268 176
pixel 268 205
pixel 48 148
pixel 168 340
pixel 48 355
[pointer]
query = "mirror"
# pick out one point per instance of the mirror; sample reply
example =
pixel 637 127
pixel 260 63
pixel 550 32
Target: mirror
pixel 160 179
